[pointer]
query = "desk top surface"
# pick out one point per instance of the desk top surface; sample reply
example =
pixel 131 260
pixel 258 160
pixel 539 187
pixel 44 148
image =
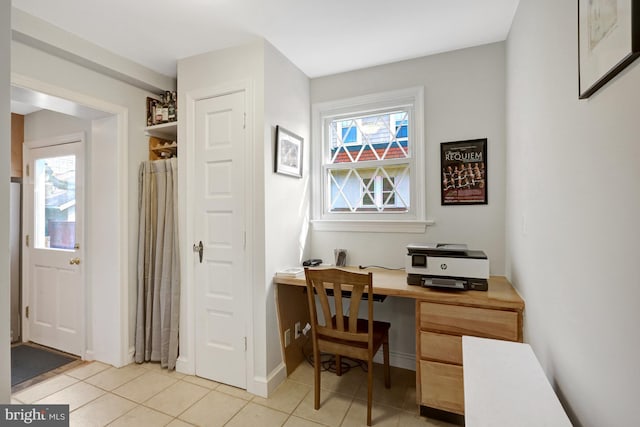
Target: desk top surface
pixel 504 385
pixel 394 283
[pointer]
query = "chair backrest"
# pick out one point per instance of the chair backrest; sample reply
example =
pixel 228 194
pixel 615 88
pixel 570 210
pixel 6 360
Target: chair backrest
pixel 358 284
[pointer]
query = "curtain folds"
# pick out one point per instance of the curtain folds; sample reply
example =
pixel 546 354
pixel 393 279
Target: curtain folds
pixel 158 282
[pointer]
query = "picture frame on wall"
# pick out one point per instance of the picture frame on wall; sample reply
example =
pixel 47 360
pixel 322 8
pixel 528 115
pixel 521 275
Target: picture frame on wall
pixel 608 41
pixel 288 158
pixel 463 167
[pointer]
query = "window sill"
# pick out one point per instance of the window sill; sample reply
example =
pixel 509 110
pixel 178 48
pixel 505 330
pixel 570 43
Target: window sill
pixel 378 226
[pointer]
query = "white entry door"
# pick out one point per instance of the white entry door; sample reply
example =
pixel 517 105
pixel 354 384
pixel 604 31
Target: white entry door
pixel 220 163
pixel 53 199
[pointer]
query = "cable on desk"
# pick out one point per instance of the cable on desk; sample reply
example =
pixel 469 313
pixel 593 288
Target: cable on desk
pixel 362 267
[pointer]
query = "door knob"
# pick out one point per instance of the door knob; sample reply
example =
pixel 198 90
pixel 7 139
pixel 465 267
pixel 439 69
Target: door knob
pixel 200 249
pixel 75 261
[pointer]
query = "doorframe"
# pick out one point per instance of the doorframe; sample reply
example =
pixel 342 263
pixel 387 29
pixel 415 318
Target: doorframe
pixel 119 354
pixel 27 146
pixel 186 162
pixel 20 181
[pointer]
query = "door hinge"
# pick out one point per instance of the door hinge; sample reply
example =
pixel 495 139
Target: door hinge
pixel 245 343
pixel 26 240
pixel 27 169
pixel 26 312
pixel 244 120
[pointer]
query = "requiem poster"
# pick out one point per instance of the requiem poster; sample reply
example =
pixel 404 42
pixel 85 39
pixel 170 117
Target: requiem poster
pixel 464 172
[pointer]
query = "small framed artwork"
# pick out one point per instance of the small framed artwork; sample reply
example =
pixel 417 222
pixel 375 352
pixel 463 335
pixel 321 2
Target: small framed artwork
pixel 288 152
pixel 608 41
pixel 464 172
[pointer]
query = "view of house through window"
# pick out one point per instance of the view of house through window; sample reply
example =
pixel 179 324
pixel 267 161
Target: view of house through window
pixel 369 159
pixel 55 202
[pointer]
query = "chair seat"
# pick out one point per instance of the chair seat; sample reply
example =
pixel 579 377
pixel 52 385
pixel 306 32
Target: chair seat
pixel 380 334
pixel 379 328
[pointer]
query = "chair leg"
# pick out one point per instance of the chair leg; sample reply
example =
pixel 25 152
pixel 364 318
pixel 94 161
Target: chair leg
pixel 316 379
pixel 369 389
pixel 387 369
pixel 338 365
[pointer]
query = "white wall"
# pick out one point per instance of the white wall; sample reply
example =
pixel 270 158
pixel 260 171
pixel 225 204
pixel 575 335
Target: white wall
pixel 286 198
pixel 278 233
pixel 572 216
pixel 464 99
pixel 35 32
pixel 46 124
pixel 212 72
pixel 41 67
pixel 100 250
pixel 5 155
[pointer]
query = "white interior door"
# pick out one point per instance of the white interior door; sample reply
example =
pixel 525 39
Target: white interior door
pixel 54 227
pixel 220 162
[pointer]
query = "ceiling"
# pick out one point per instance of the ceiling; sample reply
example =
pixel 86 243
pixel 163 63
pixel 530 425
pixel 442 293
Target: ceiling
pixel 321 37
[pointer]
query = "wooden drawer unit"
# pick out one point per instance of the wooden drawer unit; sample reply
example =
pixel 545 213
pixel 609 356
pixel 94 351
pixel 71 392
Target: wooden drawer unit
pixel 440 347
pixel 459 320
pixel 439 330
pixel 441 386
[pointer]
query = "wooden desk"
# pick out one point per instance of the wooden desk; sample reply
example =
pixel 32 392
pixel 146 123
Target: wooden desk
pixel 442 317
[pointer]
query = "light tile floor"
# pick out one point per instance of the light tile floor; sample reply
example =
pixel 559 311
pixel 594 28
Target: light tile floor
pixel 146 395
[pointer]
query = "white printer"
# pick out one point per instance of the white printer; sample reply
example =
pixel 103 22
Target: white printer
pixel 446 265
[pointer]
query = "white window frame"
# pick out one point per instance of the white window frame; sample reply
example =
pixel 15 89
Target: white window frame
pixel 358 140
pixel 413 221
pixel 377 191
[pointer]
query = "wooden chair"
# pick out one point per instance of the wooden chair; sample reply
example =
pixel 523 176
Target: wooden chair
pixel 345 335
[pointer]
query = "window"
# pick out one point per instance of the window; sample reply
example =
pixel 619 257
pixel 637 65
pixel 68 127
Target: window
pixel 378 192
pixel 55 202
pixel 369 166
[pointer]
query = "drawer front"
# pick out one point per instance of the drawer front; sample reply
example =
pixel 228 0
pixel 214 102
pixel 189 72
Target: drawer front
pixel 441 386
pixel 461 320
pixel 445 348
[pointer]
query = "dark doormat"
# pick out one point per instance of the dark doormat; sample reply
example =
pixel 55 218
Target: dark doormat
pixel 28 362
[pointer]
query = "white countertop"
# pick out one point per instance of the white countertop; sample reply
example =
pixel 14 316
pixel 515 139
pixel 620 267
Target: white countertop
pixel 504 385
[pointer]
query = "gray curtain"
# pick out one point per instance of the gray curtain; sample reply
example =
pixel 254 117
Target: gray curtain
pixel 158 306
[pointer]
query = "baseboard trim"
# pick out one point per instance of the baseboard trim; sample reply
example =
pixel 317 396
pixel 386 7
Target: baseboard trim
pixel 89 356
pixel 399 360
pixel 131 355
pixel 184 366
pixel 265 386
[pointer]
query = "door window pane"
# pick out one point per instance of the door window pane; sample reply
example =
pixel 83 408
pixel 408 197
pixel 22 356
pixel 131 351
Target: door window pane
pixel 55 202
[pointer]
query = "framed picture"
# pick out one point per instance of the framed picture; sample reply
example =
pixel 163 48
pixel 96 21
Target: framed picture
pixel 464 172
pixel 608 41
pixel 288 152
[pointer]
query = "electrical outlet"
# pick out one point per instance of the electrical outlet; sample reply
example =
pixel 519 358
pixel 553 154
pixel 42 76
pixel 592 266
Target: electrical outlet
pixel 297 330
pixel 287 338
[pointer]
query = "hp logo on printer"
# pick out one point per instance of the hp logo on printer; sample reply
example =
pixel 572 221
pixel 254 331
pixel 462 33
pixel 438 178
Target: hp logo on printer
pixel 443 266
